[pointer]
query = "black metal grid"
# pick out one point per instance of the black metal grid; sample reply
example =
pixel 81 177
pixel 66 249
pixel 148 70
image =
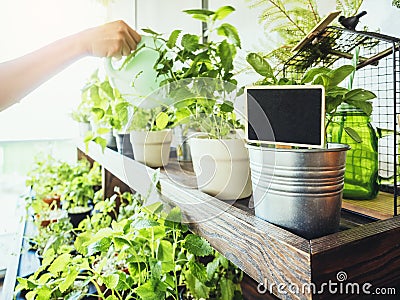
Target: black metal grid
pixel 378 71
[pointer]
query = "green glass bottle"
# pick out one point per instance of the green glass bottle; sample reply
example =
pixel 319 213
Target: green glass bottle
pixel 361 180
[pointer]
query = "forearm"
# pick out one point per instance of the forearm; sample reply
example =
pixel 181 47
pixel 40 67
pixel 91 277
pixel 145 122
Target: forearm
pixel 20 76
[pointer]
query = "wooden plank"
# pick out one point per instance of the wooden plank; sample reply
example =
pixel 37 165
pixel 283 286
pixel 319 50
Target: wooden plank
pixel 381 207
pixel 110 182
pixel 366 254
pixel 316 30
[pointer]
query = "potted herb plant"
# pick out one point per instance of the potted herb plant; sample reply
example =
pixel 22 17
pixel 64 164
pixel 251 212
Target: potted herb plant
pixel 78 191
pixel 301 189
pixel 199 75
pixel 151 135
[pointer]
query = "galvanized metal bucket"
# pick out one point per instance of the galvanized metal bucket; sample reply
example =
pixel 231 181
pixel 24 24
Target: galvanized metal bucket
pixel 299 189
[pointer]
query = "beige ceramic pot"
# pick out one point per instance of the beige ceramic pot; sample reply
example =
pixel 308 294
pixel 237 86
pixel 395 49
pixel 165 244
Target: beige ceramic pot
pixel 151 147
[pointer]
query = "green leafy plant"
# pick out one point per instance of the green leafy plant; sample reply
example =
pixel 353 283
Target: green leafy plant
pixel 152 119
pixel 396 3
pixel 159 257
pixel 199 74
pixel 56 236
pixel 106 107
pixel 288 21
pixel 330 79
pixel 78 189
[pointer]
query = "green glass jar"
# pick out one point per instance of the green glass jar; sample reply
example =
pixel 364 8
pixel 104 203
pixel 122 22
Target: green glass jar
pixel 361 180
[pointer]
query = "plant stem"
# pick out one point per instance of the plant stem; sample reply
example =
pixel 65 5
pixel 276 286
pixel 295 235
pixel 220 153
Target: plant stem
pixel 174 245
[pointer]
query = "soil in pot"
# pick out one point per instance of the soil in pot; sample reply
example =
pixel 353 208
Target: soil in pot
pixel 78 214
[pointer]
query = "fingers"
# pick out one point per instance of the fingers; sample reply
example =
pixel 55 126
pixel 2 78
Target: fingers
pixel 130 38
pixel 111 39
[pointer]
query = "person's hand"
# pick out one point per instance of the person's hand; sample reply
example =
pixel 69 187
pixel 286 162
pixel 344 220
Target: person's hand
pixel 112 39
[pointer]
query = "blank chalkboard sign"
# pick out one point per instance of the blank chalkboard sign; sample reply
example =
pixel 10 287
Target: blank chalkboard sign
pixel 288 115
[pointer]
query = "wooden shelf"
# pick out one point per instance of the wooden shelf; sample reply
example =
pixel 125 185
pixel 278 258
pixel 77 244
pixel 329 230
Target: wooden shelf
pixel 366 252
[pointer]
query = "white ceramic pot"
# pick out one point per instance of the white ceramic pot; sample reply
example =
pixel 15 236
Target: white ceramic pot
pixel 151 147
pixel 84 128
pixel 222 167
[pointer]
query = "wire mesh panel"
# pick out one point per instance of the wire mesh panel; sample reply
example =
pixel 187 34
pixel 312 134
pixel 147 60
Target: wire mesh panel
pixel 378 70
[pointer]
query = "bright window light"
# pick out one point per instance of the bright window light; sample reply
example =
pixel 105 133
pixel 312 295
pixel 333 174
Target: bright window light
pixel 27 25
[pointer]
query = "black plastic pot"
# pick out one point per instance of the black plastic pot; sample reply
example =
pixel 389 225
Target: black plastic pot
pixel 124 145
pixel 76 218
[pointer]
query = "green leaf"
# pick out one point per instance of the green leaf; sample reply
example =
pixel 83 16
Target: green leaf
pixel 152 289
pixel 222 12
pixel 365 106
pixel 338 75
pixel 197 245
pixel 68 281
pixel 212 268
pixel 359 95
pixel 260 65
pixel 173 38
pixel 162 120
pixel 226 107
pixel 331 103
pixel 322 79
pixel 149 31
pixel 98 113
pixel 111 281
pixel 182 114
pixel 103 130
pixel 353 134
pixel 153 208
pixel 165 255
pixel 100 141
pixel 107 89
pixel 102 245
pixel 59 263
pixel 204 12
pixel 198 270
pixel 202 18
pixel 227 288
pixel 230 32
pixel 175 215
pixel 196 288
pixel 144 224
pixel 226 54
pixel 112 297
pixel 190 42
pixel 224 262
pixel 337 91
pixel 310 74
pixel 44 293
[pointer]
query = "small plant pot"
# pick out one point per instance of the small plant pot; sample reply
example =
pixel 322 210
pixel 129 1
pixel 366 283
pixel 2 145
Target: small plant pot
pixel 152 147
pixel 84 128
pixel 299 189
pixel 124 145
pixel 78 214
pixel 54 201
pixel 221 167
pixel 48 217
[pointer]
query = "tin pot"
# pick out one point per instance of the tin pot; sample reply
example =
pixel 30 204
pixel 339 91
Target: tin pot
pixel 299 189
